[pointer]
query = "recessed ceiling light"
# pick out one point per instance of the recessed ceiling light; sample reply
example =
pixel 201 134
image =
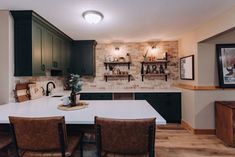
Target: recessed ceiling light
pixel 92 16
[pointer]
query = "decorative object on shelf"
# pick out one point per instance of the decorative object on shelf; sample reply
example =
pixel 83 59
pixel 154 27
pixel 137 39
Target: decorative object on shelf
pixel 121 59
pixel 148 70
pixel 128 57
pixel 161 70
pixel 75 83
pixel 116 71
pixel 187 68
pixel 145 56
pixel 154 70
pixel 226 65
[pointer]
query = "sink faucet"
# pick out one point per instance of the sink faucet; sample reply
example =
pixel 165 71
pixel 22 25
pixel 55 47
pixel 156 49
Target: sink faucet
pixel 47 90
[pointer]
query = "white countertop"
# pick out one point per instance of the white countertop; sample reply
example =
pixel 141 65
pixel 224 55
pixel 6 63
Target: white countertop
pixel 47 106
pixel 164 90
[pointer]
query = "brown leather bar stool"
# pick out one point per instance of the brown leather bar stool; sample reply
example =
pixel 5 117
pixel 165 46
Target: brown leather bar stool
pixel 5 141
pixel 42 137
pixel 125 137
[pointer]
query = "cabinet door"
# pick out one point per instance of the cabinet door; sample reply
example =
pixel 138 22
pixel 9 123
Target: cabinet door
pixel 37 50
pixel 56 56
pixel 83 58
pixel 168 105
pixel 48 49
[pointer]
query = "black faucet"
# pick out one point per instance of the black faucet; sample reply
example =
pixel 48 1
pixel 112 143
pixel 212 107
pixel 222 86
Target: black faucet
pixel 47 90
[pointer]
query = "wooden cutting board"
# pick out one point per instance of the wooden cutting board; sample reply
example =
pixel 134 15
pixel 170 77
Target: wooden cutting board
pixel 21 92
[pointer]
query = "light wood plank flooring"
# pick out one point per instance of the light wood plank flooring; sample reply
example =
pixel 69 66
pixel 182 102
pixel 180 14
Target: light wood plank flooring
pixel 181 143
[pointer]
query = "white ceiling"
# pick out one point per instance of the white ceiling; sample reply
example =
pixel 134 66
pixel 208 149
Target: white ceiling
pixel 124 20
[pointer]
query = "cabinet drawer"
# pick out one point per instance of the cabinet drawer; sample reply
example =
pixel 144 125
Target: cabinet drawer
pixel 96 96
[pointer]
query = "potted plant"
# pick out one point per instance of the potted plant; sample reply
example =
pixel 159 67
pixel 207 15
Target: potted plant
pixel 75 83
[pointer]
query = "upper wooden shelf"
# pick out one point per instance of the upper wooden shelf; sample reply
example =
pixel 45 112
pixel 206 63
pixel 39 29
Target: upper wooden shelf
pixel 154 62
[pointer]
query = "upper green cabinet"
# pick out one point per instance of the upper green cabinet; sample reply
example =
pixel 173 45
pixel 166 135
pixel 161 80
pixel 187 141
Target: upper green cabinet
pixel 37 50
pixel 39 46
pixel 83 57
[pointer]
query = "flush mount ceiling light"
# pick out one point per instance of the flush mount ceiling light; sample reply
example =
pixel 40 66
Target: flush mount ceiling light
pixel 92 16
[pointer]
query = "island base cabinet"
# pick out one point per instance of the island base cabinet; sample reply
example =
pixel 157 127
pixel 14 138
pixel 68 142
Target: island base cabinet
pixel 168 105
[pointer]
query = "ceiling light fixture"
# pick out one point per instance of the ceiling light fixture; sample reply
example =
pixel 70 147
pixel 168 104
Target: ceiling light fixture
pixel 92 16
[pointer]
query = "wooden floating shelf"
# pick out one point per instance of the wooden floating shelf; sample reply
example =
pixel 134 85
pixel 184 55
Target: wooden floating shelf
pixel 154 62
pixel 120 63
pixel 114 75
pixel 150 75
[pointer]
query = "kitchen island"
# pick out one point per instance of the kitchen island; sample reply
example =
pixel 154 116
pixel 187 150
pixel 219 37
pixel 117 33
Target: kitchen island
pixel 47 106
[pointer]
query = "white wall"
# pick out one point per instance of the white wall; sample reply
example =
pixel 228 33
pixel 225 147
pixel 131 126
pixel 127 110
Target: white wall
pixel 6 58
pixel 188 108
pixel 201 42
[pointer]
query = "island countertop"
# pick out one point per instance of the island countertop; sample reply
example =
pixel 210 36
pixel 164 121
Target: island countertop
pixel 47 106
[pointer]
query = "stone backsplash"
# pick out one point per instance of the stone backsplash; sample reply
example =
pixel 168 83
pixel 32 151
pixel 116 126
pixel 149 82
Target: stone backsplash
pixel 40 80
pixel 136 51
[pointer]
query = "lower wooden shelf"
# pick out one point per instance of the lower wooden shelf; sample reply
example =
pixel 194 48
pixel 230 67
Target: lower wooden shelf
pixel 117 75
pixel 154 75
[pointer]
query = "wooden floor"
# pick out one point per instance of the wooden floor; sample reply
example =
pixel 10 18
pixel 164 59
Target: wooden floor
pixel 181 143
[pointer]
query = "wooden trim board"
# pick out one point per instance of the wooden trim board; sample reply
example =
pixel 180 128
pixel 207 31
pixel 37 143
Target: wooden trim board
pixel 191 87
pixel 186 126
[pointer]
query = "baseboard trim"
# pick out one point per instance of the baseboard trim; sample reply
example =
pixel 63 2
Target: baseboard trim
pixel 186 126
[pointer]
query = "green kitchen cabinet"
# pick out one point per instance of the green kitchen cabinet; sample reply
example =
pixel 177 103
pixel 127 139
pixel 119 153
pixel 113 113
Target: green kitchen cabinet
pixel 37 45
pixel 83 57
pixel 168 105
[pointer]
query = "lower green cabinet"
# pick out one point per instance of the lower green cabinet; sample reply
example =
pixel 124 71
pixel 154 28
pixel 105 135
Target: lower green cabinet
pixel 96 96
pixel 167 104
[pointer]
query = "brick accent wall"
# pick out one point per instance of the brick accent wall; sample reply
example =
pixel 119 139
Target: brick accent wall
pixel 136 51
